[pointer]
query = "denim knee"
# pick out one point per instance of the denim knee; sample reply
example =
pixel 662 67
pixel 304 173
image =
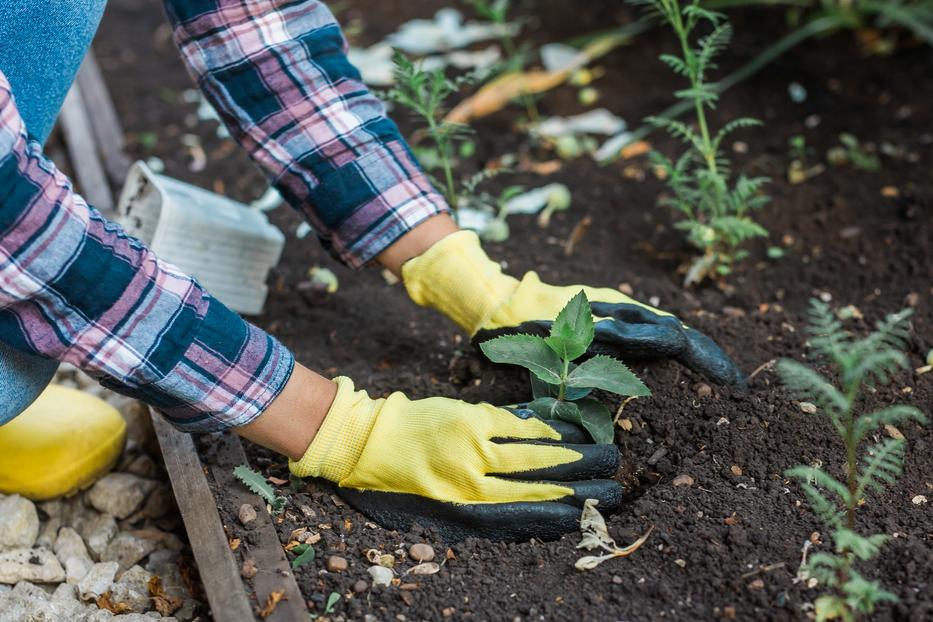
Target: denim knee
pixel 22 378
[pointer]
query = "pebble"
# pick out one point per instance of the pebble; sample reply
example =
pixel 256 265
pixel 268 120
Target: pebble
pixel 127 550
pixel 98 533
pixel 335 563
pixel 808 408
pixel 73 555
pixel 37 565
pixel 381 575
pixel 247 513
pixel 133 589
pixel 757 584
pixel 120 494
pixel 98 580
pixel 704 390
pixel 616 579
pixel 19 523
pixel 360 586
pixel 248 570
pixel 421 552
pixel 683 480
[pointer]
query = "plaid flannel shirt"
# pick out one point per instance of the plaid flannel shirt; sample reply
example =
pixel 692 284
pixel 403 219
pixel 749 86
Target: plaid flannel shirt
pixel 74 287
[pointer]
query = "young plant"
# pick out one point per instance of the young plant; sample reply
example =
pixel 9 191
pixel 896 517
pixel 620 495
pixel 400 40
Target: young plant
pixel 497 11
pixel 851 151
pixel 561 388
pixel 424 92
pixel 257 483
pixel 716 214
pixel 858 364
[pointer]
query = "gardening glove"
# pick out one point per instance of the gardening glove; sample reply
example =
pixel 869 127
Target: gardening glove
pixel 467 470
pixel 457 278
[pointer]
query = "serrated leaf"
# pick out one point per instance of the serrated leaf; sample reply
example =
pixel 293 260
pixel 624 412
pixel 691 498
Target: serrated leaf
pixel 597 421
pixel 527 351
pixel 572 332
pixel 608 374
pixel 540 388
pixel 305 554
pixel 552 408
pixel 257 484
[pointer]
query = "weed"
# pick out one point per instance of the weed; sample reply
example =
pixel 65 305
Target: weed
pixel 859 363
pixel 560 387
pixel 257 483
pixel 424 93
pixel 304 554
pixel 851 151
pixel 715 216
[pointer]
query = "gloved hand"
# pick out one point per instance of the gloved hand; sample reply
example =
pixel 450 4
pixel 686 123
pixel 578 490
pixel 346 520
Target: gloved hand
pixel 456 277
pixel 466 470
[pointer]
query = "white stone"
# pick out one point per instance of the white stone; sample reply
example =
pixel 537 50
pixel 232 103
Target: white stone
pixel 119 494
pixel 98 532
pixel 381 575
pixel 164 563
pixel 127 550
pixel 37 565
pixel 133 589
pixel 48 532
pixel 73 554
pixel 19 523
pixel 98 580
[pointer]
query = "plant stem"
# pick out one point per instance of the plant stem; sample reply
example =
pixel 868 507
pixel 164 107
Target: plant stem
pixel 563 381
pixel 445 160
pixel 851 458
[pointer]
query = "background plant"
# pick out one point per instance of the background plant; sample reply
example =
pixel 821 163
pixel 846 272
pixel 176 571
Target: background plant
pixel 858 364
pixel 561 388
pixel 424 93
pixel 716 214
pixel 257 483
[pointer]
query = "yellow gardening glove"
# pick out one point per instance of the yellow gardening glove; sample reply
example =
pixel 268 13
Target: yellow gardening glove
pixel 458 467
pixel 457 278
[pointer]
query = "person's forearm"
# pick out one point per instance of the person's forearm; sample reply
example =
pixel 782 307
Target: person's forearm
pixel 416 242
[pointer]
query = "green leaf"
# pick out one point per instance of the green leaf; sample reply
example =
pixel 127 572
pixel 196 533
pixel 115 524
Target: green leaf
pixel 331 602
pixel 552 408
pixel 830 608
pixel 863 547
pixel 257 483
pixel 305 553
pixel 539 388
pixel 527 351
pixel 608 374
pixel 572 332
pixel 597 420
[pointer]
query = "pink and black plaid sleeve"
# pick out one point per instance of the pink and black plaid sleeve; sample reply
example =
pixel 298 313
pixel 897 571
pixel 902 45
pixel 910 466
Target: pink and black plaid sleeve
pixel 278 75
pixel 75 288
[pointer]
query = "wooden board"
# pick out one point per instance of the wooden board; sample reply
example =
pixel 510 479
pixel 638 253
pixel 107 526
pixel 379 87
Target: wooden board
pixel 91 180
pixel 105 124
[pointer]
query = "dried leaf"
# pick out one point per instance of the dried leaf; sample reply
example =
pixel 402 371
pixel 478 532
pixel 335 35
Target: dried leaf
pixel 278 481
pixel 104 601
pixel 425 569
pixel 271 602
pixel 234 544
pixel 162 602
pixel 596 535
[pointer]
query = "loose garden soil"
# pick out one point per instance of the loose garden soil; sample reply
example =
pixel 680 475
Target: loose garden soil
pixel 729 545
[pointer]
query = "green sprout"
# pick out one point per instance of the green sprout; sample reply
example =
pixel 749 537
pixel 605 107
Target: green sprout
pixel 561 388
pixel 304 554
pixel 424 93
pixel 858 364
pixel 715 216
pixel 851 151
pixel 257 483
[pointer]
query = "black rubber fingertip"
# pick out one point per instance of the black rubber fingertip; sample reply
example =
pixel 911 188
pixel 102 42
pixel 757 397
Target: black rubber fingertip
pixel 608 492
pixel 703 355
pixel 596 461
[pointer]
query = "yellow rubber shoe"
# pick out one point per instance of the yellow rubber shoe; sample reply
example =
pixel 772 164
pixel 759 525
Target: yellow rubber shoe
pixel 62 443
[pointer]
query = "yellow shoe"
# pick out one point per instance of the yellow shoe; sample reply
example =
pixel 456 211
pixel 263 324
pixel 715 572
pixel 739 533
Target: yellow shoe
pixel 62 443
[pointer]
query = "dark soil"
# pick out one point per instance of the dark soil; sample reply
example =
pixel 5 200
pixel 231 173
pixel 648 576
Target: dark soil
pixel 728 546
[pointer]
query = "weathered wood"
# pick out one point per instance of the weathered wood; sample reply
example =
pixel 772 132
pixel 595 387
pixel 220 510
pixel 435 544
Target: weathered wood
pixel 216 564
pixel 104 121
pixel 91 179
pixel 274 573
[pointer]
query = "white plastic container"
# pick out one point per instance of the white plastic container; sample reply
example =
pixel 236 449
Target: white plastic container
pixel 227 246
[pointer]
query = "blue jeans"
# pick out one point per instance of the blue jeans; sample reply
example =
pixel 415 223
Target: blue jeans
pixel 42 44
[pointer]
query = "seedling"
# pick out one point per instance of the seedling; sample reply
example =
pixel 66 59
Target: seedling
pixel 257 483
pixel 851 151
pixel 497 11
pixel 715 216
pixel 424 92
pixel 304 555
pixel 858 363
pixel 800 170
pixel 561 388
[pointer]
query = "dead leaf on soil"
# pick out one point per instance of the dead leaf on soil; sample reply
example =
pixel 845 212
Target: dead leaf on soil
pixel 596 536
pixel 104 601
pixel 425 569
pixel 163 603
pixel 278 481
pixel 272 602
pixel 234 544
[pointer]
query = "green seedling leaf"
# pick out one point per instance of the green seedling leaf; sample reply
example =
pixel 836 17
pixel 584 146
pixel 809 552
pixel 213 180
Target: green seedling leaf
pixel 551 408
pixel 257 483
pixel 539 388
pixel 597 421
pixel 608 374
pixel 305 553
pixel 572 332
pixel 527 351
pixel 331 602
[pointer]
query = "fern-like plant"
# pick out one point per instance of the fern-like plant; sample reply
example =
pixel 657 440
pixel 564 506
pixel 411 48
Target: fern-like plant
pixel 257 483
pixel 858 363
pixel 715 213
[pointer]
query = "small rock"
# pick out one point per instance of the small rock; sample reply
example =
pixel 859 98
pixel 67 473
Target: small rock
pixel 159 503
pixel 919 500
pixel 143 466
pixel 120 494
pixel 757 584
pixel 132 589
pixel 704 390
pixel 912 299
pixel 421 552
pixel 48 532
pixel 98 532
pixel 127 550
pixel 426 568
pixel 735 470
pixel 247 513
pixel 683 480
pixel 808 408
pixel 248 570
pixel 73 555
pixel 335 563
pixel 616 579
pixel 381 575
pixel 626 289
pixel 728 612
pixel 733 312
pixel 448 612
pixel 360 586
pixel 36 565
pixel 19 523
pixel 98 580
pixel 681 562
